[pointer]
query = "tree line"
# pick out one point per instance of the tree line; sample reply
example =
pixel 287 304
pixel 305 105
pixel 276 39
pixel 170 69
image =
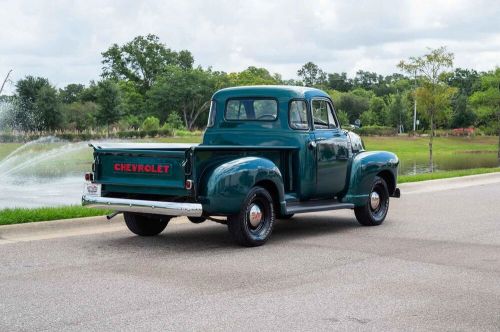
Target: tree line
pixel 143 82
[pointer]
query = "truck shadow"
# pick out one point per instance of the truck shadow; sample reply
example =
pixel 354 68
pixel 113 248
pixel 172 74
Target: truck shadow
pixel 186 237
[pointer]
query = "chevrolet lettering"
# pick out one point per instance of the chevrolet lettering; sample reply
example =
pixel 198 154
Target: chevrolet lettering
pixel 140 168
pixel 268 152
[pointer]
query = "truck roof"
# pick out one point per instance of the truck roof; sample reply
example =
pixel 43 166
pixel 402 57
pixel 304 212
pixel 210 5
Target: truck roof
pixel 276 91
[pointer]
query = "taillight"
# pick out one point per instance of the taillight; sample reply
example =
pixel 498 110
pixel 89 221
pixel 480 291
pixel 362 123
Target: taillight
pixel 89 176
pixel 188 184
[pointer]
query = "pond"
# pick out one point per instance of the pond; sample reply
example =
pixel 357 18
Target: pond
pixel 49 172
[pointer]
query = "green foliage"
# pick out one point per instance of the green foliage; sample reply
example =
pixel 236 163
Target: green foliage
pixel 110 102
pixel 47 107
pixel 312 75
pixel 186 90
pixel 71 93
pixel 343 118
pixel 25 116
pixel 463 116
pixel 174 121
pixel 353 105
pixel 133 102
pixel 376 131
pixel 397 113
pixel 142 61
pixel 150 123
pixel 252 76
pixel 369 118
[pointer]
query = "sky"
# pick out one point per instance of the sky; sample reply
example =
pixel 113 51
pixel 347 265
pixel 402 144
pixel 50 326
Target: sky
pixel 63 40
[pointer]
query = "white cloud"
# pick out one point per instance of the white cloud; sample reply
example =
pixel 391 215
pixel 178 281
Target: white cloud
pixel 63 40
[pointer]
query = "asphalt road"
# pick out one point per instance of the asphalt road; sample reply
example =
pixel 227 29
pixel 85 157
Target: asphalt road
pixel 433 265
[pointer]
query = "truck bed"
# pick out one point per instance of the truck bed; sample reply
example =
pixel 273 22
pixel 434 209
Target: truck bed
pixel 159 171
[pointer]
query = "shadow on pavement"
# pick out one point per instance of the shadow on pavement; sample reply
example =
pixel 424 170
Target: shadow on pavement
pixel 187 237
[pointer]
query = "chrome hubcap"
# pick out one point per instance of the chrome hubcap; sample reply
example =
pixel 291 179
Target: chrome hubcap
pixel 374 200
pixel 255 215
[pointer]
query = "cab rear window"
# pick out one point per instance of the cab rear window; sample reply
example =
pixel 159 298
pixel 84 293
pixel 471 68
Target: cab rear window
pixel 251 109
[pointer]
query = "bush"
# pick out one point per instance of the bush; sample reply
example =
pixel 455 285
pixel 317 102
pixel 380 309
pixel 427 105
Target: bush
pixel 376 131
pixel 174 121
pixel 150 123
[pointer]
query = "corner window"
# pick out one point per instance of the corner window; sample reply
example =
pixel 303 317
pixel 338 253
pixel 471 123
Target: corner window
pixel 252 109
pixel 298 115
pixel 322 113
pixel 211 114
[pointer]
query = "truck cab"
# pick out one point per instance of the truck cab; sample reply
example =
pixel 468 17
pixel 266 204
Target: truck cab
pixel 268 152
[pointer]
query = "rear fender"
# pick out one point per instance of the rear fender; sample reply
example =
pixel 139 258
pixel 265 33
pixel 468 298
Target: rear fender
pixel 224 187
pixel 365 166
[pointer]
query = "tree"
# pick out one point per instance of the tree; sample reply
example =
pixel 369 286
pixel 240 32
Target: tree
pixel 71 93
pixel 142 61
pixel 150 123
pixel 339 82
pixel 379 110
pixel 354 105
pixel 253 76
pixel 109 101
pixel 467 81
pixel 133 100
pixel 187 91
pixel 79 116
pixel 312 75
pixel 489 96
pixel 463 116
pixel 27 90
pixel 48 110
pixel 433 94
pixel 397 114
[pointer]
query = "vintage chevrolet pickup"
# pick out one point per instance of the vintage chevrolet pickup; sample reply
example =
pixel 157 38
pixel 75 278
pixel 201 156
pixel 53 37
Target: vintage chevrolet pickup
pixel 268 152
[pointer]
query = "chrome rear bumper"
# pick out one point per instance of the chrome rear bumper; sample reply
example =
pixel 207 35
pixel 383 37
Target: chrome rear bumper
pixel 140 206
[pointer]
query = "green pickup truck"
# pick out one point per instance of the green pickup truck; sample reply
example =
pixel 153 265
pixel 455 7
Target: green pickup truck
pixel 268 152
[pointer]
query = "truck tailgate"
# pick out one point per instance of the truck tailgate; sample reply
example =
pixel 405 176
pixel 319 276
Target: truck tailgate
pixel 141 171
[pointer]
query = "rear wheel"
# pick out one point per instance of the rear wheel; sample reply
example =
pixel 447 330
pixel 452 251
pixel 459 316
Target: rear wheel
pixel 254 224
pixel 197 220
pixel 145 224
pixel 373 213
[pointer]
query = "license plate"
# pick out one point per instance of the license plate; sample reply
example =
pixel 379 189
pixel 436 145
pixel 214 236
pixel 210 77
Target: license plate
pixel 92 189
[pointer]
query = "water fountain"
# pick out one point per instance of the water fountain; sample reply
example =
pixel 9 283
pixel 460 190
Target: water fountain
pixel 44 172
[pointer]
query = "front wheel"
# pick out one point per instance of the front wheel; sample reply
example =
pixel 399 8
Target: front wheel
pixel 373 213
pixel 254 224
pixel 145 224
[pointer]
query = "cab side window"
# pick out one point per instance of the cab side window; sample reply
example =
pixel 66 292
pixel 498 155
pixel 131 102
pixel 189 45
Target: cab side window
pixel 322 113
pixel 298 115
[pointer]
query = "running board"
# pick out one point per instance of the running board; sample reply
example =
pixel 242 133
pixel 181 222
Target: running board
pixel 316 206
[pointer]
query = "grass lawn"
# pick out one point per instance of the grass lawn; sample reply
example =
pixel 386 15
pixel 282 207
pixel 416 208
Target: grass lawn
pixel 445 174
pixel 6 148
pixel 24 215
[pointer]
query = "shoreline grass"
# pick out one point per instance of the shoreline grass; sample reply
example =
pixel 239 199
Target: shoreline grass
pixel 446 174
pixel 25 215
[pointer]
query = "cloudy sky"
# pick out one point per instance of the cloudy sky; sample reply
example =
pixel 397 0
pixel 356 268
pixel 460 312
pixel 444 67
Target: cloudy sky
pixel 63 40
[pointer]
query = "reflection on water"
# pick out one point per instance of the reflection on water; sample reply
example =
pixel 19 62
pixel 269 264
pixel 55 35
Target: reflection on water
pixel 49 171
pixel 420 164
